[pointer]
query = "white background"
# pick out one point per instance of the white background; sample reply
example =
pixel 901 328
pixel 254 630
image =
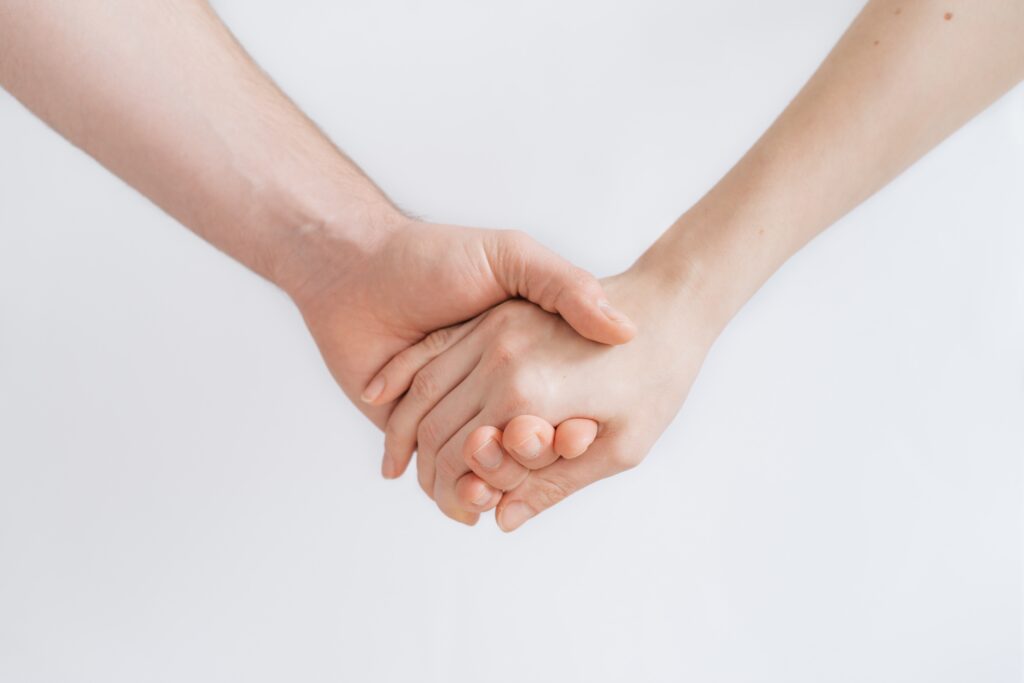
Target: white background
pixel 186 496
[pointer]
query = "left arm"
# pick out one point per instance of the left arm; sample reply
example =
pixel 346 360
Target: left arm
pixel 903 77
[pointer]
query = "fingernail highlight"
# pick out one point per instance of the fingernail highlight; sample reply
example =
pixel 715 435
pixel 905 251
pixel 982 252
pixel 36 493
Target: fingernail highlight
pixel 489 455
pixel 611 312
pixel 513 516
pixel 483 497
pixel 530 448
pixel 373 390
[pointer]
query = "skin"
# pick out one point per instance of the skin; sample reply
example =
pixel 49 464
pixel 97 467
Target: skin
pixel 903 77
pixel 218 146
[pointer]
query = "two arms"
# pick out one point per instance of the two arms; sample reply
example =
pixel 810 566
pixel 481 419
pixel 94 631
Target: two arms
pixel 161 94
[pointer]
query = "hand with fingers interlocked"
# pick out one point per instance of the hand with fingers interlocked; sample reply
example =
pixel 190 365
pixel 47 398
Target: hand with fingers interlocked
pixel 573 411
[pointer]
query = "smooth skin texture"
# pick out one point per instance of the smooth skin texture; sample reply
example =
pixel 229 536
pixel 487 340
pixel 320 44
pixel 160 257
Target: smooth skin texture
pixel 903 77
pixel 161 94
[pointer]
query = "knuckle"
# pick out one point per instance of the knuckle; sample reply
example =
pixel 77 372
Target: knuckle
pixel 502 354
pixel 517 394
pixel 506 316
pixel 498 317
pixel 437 341
pixel 424 385
pixel 448 468
pixel 523 390
pixel 552 490
pixel 427 436
pixel 513 405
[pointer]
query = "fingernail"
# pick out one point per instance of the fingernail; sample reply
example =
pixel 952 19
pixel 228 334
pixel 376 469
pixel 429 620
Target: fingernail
pixel 467 518
pixel 513 516
pixel 387 467
pixel 373 390
pixel 483 498
pixel 489 455
pixel 611 312
pixel 529 449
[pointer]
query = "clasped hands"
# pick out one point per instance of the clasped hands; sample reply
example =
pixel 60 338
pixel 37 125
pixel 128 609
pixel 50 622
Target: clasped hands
pixel 503 367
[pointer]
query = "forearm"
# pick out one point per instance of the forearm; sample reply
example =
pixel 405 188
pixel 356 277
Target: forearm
pixel 903 77
pixel 161 94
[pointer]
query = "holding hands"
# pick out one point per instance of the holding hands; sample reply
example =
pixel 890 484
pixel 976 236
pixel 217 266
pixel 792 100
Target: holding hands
pixel 508 404
pixel 501 410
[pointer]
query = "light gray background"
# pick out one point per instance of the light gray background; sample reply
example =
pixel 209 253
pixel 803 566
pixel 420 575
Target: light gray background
pixel 185 495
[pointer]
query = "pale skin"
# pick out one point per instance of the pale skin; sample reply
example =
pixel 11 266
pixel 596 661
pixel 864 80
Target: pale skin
pixel 904 76
pixel 161 94
pixel 215 144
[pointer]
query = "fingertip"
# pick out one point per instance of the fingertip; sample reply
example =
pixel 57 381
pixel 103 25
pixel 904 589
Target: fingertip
pixel 373 392
pixel 528 436
pixel 475 494
pixel 513 515
pixel 620 328
pixel 387 468
pixel 574 436
pixel 392 467
pixel 478 438
pixel 462 516
pixel 596 319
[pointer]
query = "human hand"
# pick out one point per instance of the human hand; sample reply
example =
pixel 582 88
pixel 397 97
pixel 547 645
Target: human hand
pixel 504 458
pixel 517 360
pixel 409 278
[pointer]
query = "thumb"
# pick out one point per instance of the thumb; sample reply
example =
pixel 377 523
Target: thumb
pixel 525 268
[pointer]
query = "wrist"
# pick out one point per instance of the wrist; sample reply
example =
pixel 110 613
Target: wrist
pixel 687 285
pixel 720 252
pixel 319 243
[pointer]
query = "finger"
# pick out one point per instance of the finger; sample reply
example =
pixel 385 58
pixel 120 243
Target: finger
pixel 574 436
pixel 449 470
pixel 553 484
pixel 425 474
pixel 449 501
pixel 395 378
pixel 429 387
pixel 482 452
pixel 529 440
pixel 525 268
pixel 476 495
pixel 435 431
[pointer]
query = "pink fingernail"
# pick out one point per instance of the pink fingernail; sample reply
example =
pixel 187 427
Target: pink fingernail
pixel 373 390
pixel 530 448
pixel 489 455
pixel 611 312
pixel 513 516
